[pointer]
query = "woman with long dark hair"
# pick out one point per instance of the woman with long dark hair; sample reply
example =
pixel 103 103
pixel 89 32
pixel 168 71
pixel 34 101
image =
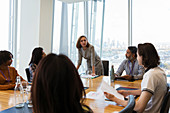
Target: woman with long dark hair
pixel 57 87
pixel 153 86
pixel 85 50
pixel 37 55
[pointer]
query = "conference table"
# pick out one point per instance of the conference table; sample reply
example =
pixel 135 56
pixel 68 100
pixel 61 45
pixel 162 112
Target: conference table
pixel 103 106
pixel 93 85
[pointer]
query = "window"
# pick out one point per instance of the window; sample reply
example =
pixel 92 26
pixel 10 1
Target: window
pixel 96 13
pixel 8 27
pixel 76 27
pixel 18 34
pixel 4 24
pixel 57 26
pixel 115 36
pixel 151 24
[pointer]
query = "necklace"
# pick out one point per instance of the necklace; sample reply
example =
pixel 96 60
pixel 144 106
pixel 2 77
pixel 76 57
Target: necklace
pixel 8 80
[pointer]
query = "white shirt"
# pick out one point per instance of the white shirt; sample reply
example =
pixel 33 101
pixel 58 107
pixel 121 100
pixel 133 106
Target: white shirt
pixel 155 82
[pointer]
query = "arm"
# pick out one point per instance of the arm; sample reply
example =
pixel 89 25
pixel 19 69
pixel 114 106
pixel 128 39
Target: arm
pixel 93 70
pixel 142 102
pixel 140 73
pixel 120 69
pixel 128 77
pixel 79 59
pixel 5 87
pixel 93 60
pixel 78 67
pixel 113 98
pixel 129 92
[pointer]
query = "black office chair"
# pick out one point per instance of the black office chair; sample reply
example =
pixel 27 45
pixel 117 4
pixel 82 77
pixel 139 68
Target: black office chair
pixel 28 74
pixel 130 106
pixel 106 67
pixel 166 102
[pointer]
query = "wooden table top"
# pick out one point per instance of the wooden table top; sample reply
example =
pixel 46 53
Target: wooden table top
pixel 98 106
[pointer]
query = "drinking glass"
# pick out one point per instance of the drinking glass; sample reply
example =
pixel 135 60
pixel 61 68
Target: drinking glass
pixel 88 72
pixel 30 103
pixel 25 91
pixel 90 82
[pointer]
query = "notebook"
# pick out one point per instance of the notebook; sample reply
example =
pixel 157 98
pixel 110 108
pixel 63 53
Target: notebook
pixel 89 76
pixel 126 88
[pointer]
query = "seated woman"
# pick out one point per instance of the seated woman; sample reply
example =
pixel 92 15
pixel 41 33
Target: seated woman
pixel 57 87
pixel 37 55
pixel 7 74
pixel 153 86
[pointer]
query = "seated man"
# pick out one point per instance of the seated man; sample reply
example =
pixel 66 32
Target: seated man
pixel 130 65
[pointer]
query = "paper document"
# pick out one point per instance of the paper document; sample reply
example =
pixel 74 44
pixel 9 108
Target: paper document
pixel 89 76
pixel 95 95
pixel 109 89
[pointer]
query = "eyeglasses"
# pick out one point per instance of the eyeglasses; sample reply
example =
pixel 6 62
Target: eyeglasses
pixel 82 40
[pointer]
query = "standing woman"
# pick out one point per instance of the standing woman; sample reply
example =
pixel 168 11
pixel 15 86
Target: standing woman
pixel 8 74
pixel 87 51
pixel 37 55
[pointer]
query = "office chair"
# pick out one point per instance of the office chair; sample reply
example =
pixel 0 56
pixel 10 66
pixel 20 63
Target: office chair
pixel 130 106
pixel 106 67
pixel 166 102
pixel 28 74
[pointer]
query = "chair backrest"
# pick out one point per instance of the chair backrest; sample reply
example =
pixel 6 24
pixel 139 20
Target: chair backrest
pixel 106 67
pixel 130 106
pixel 166 102
pixel 28 74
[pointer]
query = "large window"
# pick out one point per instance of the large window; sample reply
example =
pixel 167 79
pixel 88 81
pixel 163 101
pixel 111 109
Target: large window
pixel 75 20
pixel 115 36
pixel 8 26
pixel 57 26
pixel 76 26
pixel 151 24
pixel 96 13
pixel 4 24
pixel 18 34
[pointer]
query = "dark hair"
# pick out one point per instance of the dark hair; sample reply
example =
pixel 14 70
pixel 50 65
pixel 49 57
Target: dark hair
pixel 150 58
pixel 78 45
pixel 57 87
pixel 133 50
pixel 5 56
pixel 36 55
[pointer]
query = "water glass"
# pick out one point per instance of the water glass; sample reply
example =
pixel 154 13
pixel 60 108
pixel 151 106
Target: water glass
pixel 30 103
pixel 25 91
pixel 88 72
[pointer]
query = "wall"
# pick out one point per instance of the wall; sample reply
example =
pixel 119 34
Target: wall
pixel 35 29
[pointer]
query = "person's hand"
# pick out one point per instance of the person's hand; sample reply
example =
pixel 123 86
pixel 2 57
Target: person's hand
pixel 128 77
pixel 115 75
pixel 93 74
pixel 109 96
pixel 123 92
